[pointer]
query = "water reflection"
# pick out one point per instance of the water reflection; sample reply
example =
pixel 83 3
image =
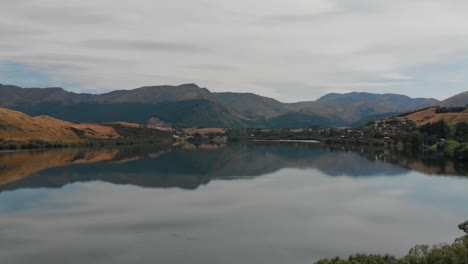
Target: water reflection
pixel 190 166
pixel 427 163
pixel 87 206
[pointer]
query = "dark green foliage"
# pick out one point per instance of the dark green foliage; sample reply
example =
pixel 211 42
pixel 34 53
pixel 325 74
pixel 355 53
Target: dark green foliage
pixel 271 134
pixel 137 134
pixel 438 129
pixel 454 150
pixel 12 147
pixel 32 144
pixel 458 109
pixel 456 253
pixel 463 227
pixel 461 132
pixel 413 139
pixel 461 152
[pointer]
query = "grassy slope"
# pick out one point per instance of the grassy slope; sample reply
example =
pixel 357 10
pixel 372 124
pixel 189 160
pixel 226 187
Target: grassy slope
pixel 430 116
pixel 21 127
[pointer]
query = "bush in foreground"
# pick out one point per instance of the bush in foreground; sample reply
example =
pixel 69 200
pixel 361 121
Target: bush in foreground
pixel 456 253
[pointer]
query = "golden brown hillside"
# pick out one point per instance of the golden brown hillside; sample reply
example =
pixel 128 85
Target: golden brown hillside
pixel 430 116
pixel 18 126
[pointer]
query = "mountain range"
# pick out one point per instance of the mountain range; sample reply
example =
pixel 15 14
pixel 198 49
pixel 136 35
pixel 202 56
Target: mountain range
pixel 188 105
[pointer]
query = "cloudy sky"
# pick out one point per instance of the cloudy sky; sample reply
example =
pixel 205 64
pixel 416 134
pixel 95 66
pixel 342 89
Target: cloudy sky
pixel 287 49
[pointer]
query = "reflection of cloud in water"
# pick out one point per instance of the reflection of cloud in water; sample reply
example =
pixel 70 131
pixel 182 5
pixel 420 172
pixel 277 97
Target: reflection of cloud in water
pixel 288 216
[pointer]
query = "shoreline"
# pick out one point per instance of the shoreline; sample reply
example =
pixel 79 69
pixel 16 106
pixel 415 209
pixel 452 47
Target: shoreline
pixel 286 140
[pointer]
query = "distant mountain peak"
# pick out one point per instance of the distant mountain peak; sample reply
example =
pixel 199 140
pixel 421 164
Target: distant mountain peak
pixel 460 99
pixel 191 85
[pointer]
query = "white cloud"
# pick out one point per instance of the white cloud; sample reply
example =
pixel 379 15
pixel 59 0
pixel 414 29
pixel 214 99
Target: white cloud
pixel 396 76
pixel 319 44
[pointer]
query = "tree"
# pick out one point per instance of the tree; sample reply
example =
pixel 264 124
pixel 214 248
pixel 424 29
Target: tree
pixel 461 131
pixel 440 129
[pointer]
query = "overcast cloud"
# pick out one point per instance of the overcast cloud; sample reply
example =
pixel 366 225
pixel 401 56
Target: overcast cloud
pixel 287 49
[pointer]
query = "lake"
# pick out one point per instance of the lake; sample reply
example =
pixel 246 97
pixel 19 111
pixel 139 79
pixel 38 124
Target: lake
pixel 245 203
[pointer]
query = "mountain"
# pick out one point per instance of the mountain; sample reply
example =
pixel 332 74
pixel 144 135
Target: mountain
pixel 186 113
pixel 395 101
pixel 154 94
pixel 251 105
pixel 18 126
pixel 14 95
pixel 302 119
pixel 366 106
pixel 457 100
pixel 188 105
pixel 331 109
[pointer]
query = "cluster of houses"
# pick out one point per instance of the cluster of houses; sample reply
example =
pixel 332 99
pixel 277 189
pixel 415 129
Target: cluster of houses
pixel 376 132
pixel 380 132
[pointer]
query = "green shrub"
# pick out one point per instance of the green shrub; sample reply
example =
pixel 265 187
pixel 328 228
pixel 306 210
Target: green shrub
pixel 456 253
pixel 450 147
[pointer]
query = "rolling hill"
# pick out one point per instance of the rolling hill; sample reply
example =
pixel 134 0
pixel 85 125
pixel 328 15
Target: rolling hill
pixel 430 115
pixel 18 126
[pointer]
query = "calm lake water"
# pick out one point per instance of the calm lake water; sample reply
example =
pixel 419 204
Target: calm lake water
pixel 252 203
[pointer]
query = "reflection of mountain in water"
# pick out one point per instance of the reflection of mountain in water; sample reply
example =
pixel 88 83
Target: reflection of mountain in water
pixel 190 168
pixel 427 163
